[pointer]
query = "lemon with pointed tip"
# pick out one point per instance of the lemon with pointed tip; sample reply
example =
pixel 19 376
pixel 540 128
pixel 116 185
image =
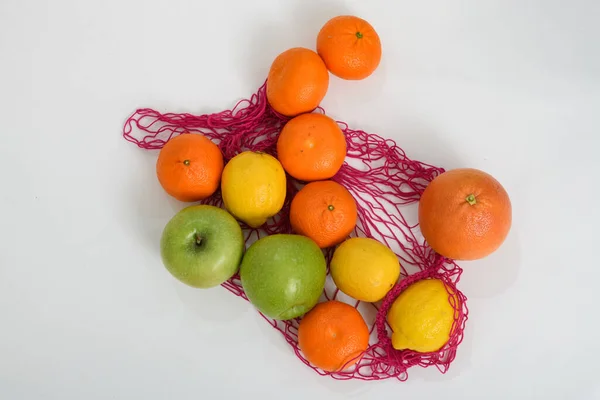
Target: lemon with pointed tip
pixel 421 317
pixel 253 187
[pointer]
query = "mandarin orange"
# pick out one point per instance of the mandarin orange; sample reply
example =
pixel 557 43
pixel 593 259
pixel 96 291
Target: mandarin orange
pixel 311 147
pixel 189 167
pixel 325 211
pixel 350 47
pixel 333 336
pixel 297 82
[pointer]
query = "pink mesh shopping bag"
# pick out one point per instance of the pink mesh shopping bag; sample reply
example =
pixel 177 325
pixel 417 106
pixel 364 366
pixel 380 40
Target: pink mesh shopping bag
pixel 386 185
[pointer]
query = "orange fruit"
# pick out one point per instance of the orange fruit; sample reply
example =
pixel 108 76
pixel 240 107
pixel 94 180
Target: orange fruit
pixel 350 47
pixel 333 335
pixel 325 211
pixel 465 214
pixel 311 147
pixel 297 81
pixel 189 167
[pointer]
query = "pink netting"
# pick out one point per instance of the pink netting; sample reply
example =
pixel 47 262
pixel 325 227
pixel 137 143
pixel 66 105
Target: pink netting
pixel 382 179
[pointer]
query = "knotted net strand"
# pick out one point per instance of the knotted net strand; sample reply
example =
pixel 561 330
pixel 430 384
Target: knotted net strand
pixel 383 181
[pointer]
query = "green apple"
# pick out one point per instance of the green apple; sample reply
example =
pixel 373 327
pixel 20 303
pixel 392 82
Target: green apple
pixel 283 275
pixel 202 246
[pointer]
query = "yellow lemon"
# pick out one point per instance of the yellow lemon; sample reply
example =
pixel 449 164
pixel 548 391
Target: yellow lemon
pixel 364 268
pixel 421 317
pixel 253 187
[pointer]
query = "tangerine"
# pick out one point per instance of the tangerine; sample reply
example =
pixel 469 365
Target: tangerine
pixel 325 211
pixel 189 167
pixel 311 147
pixel 350 47
pixel 333 335
pixel 297 82
pixel 465 214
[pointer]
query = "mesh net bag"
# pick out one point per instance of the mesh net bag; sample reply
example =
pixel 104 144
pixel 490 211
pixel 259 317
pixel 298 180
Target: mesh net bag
pixel 386 185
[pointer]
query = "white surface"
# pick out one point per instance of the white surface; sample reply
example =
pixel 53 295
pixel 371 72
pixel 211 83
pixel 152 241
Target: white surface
pixel 88 312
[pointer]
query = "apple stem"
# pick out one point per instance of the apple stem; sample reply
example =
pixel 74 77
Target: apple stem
pixel 198 240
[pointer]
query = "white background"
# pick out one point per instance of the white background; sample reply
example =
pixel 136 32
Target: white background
pixel 87 311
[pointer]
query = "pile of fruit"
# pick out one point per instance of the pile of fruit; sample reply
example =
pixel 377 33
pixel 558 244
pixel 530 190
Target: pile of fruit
pixel 283 213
